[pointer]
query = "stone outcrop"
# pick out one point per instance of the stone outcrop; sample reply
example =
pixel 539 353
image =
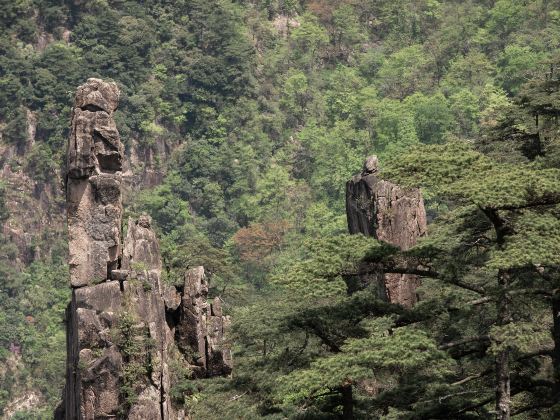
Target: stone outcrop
pixel 124 326
pixel 389 213
pixel 201 325
pixel 141 246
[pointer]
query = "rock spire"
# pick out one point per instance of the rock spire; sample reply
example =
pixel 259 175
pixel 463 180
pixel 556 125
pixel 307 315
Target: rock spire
pixel 124 325
pixel 389 213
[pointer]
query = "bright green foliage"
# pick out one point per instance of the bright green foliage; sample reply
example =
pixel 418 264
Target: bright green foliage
pixel 319 275
pixel 337 152
pixel 521 337
pixel 536 242
pixel 394 128
pixel 296 95
pixel 40 164
pixel 404 72
pixel 33 304
pixel 277 196
pixel 457 170
pixel 321 221
pixel 348 33
pixel 465 107
pixel 505 16
pixel 514 66
pixel 472 71
pixel 433 119
pixel 506 248
pixel 342 99
pixel 307 40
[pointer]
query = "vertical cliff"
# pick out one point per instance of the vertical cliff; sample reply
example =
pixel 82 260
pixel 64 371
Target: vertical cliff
pixel 123 324
pixel 390 213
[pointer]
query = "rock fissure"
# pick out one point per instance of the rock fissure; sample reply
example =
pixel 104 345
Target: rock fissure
pixel 162 398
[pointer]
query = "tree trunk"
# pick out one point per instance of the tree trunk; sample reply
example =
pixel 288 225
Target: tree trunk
pixel 503 391
pixel 347 402
pixel 556 338
pixel 502 386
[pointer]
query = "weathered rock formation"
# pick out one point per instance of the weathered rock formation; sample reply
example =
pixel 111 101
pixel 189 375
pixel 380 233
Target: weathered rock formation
pixel 390 213
pixel 95 155
pixel 124 326
pixel 201 325
pixel 33 214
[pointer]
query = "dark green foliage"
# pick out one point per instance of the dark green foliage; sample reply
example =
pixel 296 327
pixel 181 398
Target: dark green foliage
pixel 33 304
pixel 4 213
pixel 40 164
pixel 135 345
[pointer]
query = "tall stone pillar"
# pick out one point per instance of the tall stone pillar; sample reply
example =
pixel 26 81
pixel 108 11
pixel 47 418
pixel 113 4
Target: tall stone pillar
pixel 122 320
pixel 117 335
pixel 389 213
pixel 94 159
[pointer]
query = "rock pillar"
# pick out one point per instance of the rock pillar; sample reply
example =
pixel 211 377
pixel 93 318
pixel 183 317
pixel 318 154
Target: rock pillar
pixel 389 213
pixel 201 326
pixel 122 322
pixel 94 206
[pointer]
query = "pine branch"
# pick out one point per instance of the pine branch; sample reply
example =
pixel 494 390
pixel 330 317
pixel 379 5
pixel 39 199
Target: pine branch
pixel 481 301
pixel 501 226
pixel 463 285
pixel 464 341
pixel 490 399
pixel 548 403
pixel 542 352
pixel 544 292
pixel 414 266
pixel 445 397
pixel 472 377
pixel 476 405
pixel 543 201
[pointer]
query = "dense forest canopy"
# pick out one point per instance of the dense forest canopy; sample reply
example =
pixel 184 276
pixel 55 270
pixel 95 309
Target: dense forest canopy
pixel 257 113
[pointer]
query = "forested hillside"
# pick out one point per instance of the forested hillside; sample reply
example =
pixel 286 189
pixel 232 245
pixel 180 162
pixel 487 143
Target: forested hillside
pixel 242 122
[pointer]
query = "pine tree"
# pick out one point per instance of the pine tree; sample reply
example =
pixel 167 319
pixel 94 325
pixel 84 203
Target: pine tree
pixel 501 242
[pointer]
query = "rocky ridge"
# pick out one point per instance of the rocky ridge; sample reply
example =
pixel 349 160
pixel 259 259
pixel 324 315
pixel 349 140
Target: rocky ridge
pixel 124 325
pixel 389 213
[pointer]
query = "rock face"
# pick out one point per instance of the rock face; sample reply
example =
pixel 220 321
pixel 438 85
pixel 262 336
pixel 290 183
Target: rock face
pixel 390 213
pixel 141 246
pixel 124 326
